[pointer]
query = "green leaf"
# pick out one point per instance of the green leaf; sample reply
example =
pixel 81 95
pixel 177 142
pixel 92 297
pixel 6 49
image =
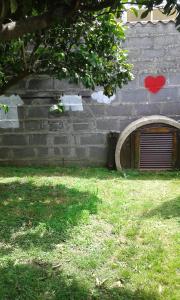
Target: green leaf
pixel 144 14
pixel 78 53
pixel 4 107
pixel 13 5
pixel 134 11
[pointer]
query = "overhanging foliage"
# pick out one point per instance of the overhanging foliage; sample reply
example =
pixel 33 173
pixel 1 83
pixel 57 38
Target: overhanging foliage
pixel 75 39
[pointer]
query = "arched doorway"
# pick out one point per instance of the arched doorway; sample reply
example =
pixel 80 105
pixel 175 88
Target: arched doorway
pixel 151 143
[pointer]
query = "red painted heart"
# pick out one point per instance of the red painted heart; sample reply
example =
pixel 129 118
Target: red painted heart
pixel 154 84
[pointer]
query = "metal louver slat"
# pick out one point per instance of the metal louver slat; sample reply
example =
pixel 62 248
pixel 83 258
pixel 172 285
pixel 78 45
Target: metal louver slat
pixel 156 151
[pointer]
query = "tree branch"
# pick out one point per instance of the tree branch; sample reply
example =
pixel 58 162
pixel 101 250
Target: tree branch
pixel 32 56
pixel 13 81
pixel 99 6
pixel 109 4
pixel 24 56
pixel 14 30
pixel 17 29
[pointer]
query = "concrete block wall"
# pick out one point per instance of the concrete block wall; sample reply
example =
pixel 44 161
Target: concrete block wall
pixel 80 138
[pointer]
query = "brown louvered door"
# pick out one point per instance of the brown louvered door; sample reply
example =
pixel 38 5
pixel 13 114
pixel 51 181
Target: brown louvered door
pixel 157 150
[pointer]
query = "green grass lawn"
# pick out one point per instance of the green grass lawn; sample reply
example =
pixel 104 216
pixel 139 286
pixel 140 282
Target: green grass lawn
pixel 83 234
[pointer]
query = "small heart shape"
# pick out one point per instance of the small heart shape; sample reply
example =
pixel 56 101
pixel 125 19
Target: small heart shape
pixel 154 84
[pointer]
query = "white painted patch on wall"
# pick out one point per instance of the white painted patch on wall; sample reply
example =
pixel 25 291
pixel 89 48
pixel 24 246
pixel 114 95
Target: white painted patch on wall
pixel 72 102
pixel 10 119
pixel 101 98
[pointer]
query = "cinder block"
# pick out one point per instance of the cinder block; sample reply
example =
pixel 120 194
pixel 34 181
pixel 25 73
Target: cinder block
pixel 165 41
pixel 119 110
pixel 19 86
pixel 124 123
pixel 44 125
pixel 81 152
pixel 98 154
pixel 57 115
pixel 174 52
pixel 134 84
pixel 147 109
pixel 86 113
pixel 148 54
pixel 40 84
pixel 21 112
pixel 170 108
pixel 140 30
pixel 60 140
pixel 57 151
pixel 32 125
pixel 108 124
pixel 80 126
pixel 97 109
pixel 86 93
pixel 5 153
pixel 135 95
pixel 165 95
pixel 64 85
pixel 174 78
pixel 23 153
pixel 37 112
pixel 67 152
pixel 93 139
pixel 56 125
pixel 42 152
pixel 139 43
pixel 43 101
pixel 168 28
pixel 38 139
pixel 14 140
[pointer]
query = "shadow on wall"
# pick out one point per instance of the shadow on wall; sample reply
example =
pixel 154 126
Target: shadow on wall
pixel 43 282
pixel 169 209
pixel 41 216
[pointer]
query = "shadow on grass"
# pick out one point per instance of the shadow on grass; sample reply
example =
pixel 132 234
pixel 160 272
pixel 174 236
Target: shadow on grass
pixel 31 281
pixel 42 216
pixel 87 173
pixel 168 210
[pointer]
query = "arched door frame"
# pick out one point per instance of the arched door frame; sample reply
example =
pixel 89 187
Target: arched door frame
pixel 137 124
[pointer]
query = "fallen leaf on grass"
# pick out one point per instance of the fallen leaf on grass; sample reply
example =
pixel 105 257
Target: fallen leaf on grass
pixel 118 284
pixel 99 283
